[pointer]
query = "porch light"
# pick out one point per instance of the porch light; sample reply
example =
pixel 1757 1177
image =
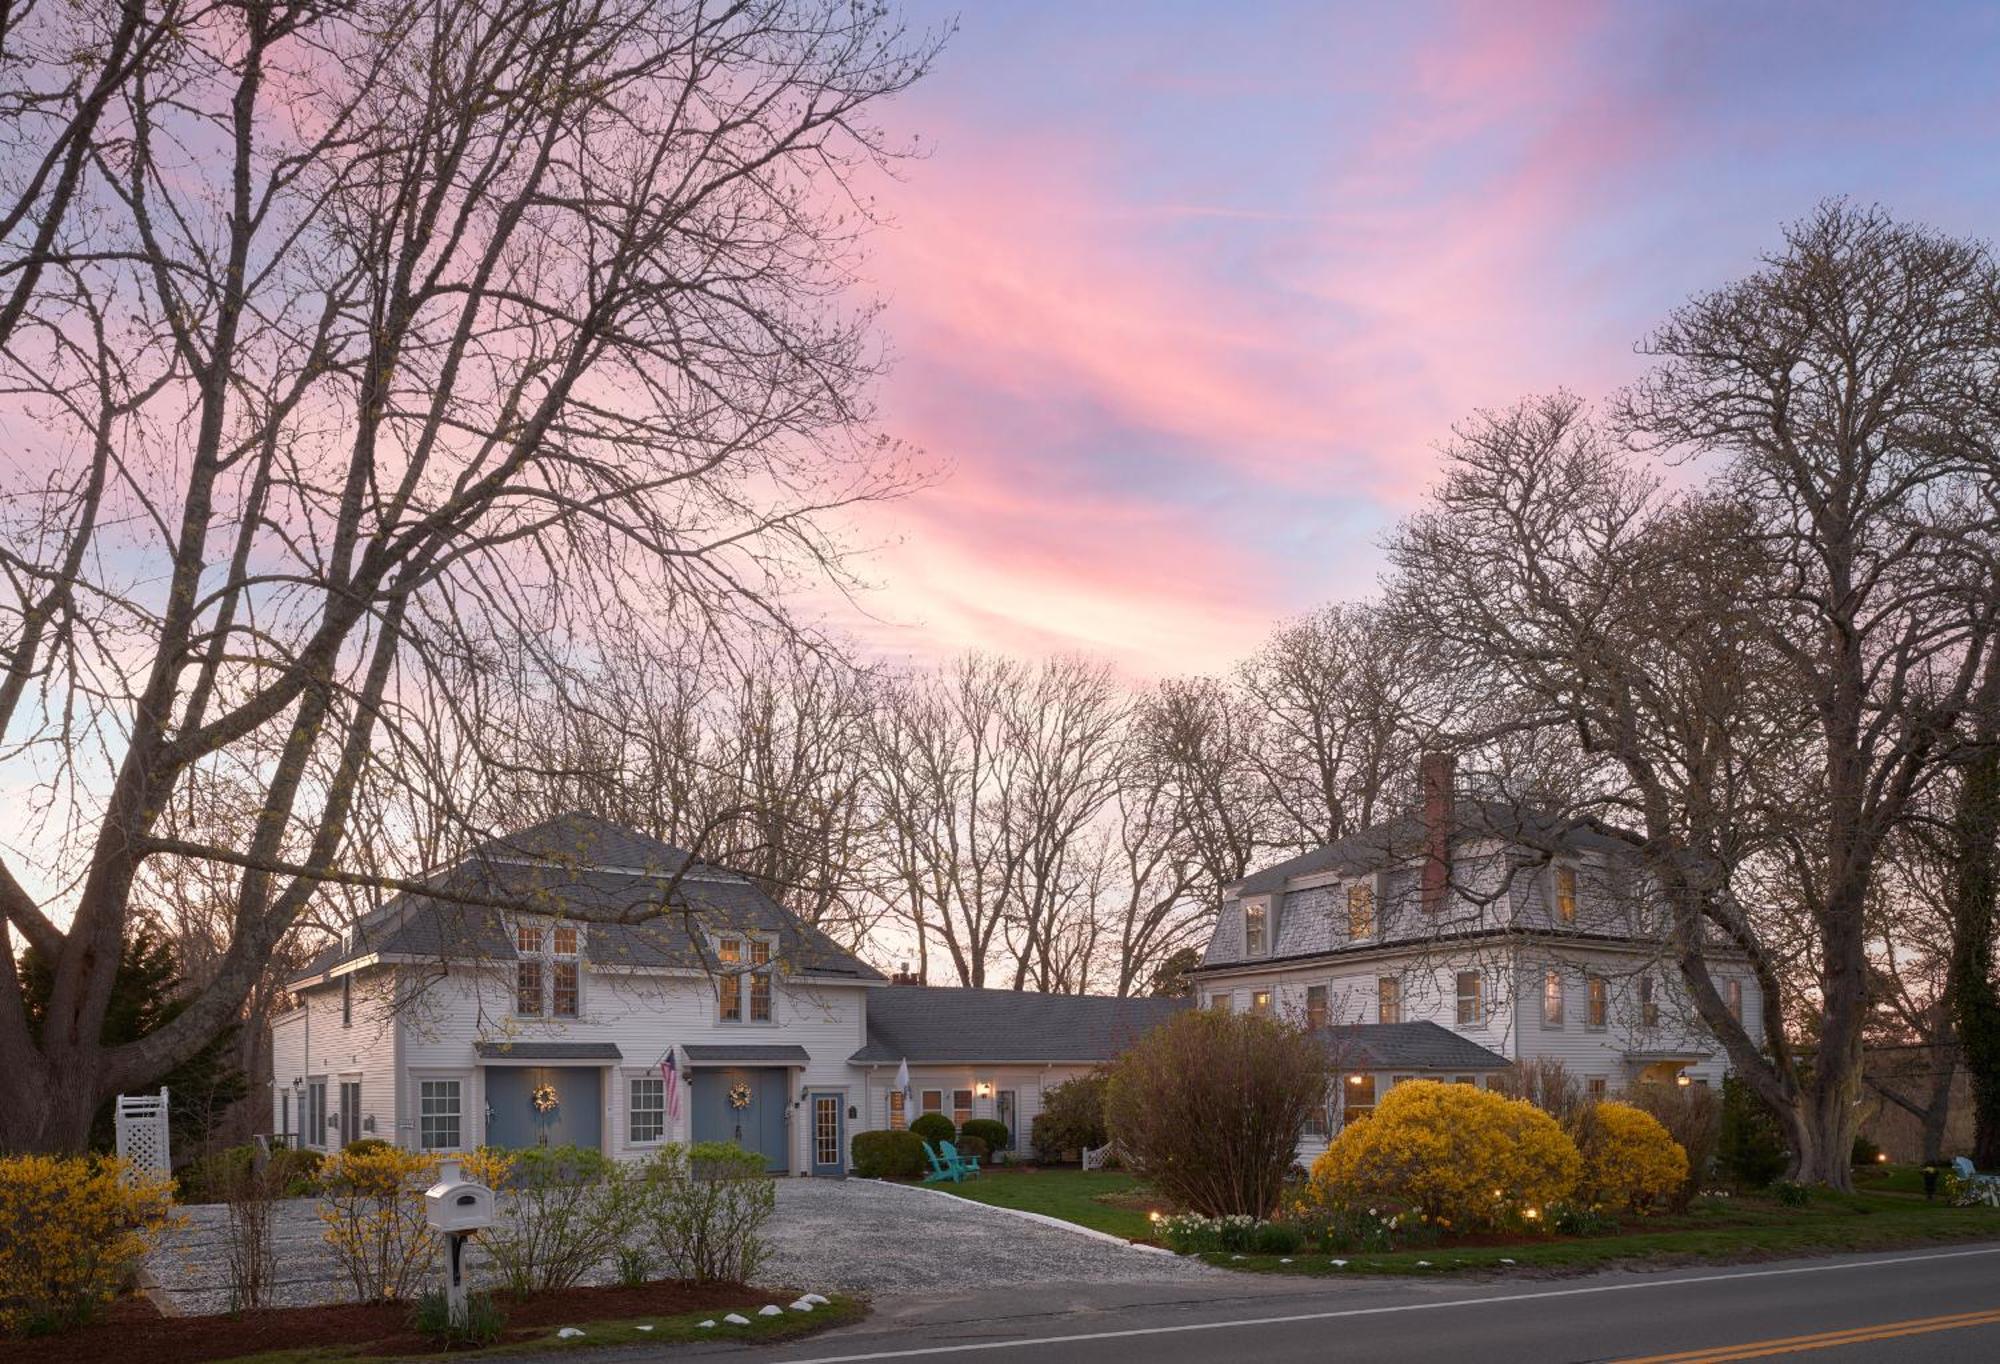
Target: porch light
pixel 1357 1079
pixel 985 1088
pixel 1683 1079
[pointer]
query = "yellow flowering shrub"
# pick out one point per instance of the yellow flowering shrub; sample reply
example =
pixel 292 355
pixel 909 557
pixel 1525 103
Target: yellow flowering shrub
pixel 72 1229
pixel 372 1208
pixel 1460 1156
pixel 1629 1160
pixel 489 1165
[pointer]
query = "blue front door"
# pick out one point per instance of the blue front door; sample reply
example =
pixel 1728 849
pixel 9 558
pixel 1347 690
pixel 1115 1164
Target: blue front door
pixel 743 1105
pixel 513 1120
pixel 827 1135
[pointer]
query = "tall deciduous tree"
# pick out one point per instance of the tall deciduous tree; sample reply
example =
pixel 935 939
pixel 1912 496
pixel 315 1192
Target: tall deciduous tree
pixel 362 339
pixel 1778 663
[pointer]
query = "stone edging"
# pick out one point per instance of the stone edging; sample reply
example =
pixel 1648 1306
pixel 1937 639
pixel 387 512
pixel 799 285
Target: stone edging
pixel 1026 1216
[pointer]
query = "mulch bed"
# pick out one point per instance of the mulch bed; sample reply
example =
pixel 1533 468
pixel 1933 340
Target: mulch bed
pixel 134 1332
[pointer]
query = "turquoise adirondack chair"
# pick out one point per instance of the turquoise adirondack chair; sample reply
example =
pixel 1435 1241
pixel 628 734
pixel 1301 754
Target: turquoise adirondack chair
pixel 940 1170
pixel 966 1166
pixel 1964 1169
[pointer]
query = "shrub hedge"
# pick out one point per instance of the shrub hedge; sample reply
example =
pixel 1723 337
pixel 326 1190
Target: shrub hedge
pixel 1629 1160
pixel 989 1130
pixel 934 1127
pixel 888 1155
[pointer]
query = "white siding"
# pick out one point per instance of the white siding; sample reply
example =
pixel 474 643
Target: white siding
pixel 643 1015
pixel 1029 1083
pixel 315 1043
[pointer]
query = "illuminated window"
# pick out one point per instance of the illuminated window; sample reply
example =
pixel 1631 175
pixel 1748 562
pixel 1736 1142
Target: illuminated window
pixel 1552 999
pixel 760 982
pixel 728 984
pixel 1361 910
pixel 1389 1000
pixel 1359 1094
pixel 1254 924
pixel 1732 993
pixel 1471 991
pixel 898 1119
pixel 1260 1003
pixel 961 1107
pixel 1566 894
pixel 1597 1002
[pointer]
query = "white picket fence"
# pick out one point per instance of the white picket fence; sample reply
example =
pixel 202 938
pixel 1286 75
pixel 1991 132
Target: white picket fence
pixel 142 1132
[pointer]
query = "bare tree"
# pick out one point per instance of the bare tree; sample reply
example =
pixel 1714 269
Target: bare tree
pixel 1777 663
pixel 366 340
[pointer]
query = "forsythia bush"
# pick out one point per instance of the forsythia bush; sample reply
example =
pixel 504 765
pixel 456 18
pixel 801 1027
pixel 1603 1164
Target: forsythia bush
pixel 372 1206
pixel 1629 1160
pixel 71 1229
pixel 1466 1158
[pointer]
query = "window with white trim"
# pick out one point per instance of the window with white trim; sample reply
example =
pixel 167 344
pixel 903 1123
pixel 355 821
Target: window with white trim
pixel 1260 1003
pixel 1596 1002
pixel 1389 999
pixel 961 1107
pixel 1316 1016
pixel 1566 894
pixel 899 1118
pixel 647 1110
pixel 1732 995
pixel 1552 999
pixel 440 1114
pixel 1471 1001
pixel 733 956
pixel 548 970
pixel 1255 923
pixel 1361 910
pixel 931 1101
pixel 1649 1004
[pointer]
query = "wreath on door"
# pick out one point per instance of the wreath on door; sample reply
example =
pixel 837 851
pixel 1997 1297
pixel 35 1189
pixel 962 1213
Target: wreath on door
pixel 739 1095
pixel 544 1098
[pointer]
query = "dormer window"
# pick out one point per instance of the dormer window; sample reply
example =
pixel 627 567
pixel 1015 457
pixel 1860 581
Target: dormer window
pixel 548 974
pixel 1566 894
pixel 743 960
pixel 1361 910
pixel 1256 928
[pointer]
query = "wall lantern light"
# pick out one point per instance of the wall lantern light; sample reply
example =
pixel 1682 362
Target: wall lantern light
pixel 985 1089
pixel 1684 1079
pixel 1357 1079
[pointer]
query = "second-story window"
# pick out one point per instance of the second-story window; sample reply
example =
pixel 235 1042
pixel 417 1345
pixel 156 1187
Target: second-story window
pixel 1256 939
pixel 1361 910
pixel 735 985
pixel 1389 1000
pixel 548 970
pixel 1566 894
pixel 1471 1008
pixel 1315 1006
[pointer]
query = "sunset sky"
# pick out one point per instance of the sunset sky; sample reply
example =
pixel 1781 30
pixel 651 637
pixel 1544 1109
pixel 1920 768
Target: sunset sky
pixel 1182 304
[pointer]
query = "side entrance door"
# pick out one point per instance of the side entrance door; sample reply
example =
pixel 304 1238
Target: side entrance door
pixel 829 1133
pixel 1005 1105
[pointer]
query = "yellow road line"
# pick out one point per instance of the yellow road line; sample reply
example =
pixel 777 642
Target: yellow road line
pixel 1823 1340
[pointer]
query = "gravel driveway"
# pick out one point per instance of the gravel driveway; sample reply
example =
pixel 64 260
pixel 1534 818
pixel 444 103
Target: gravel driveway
pixel 855 1235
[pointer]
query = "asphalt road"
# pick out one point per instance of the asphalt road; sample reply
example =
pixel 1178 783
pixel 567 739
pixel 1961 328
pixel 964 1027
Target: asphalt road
pixel 1926 1307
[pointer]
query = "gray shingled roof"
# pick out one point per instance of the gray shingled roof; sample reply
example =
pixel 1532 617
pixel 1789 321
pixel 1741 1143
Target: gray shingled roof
pixel 748 1054
pixel 550 1051
pixel 930 1023
pixel 579 867
pixel 1408 1046
pixel 1402 839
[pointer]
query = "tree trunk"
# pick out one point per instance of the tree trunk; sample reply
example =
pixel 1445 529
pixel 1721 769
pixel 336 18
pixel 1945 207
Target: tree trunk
pixel 1975 1002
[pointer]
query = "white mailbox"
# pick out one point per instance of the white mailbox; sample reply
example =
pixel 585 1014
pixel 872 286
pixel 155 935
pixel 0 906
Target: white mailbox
pixel 457 1204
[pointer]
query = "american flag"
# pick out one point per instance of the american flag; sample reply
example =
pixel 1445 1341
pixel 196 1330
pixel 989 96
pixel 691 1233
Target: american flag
pixel 670 1080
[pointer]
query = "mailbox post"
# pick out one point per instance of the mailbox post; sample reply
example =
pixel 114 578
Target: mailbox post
pixel 460 1209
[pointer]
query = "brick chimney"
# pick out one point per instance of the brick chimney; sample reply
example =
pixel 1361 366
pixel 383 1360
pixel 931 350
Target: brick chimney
pixel 1434 776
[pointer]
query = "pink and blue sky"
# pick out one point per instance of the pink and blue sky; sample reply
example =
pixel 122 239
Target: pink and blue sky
pixel 1183 297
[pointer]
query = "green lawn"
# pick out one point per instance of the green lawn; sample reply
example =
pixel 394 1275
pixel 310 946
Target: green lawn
pixel 1103 1200
pixel 1718 1230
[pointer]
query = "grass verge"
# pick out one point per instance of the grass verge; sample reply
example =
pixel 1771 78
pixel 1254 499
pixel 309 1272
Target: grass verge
pixel 1715 1232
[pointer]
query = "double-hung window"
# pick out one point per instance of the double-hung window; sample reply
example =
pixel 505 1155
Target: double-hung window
pixel 930 1101
pixel 1552 999
pixel 1732 995
pixel 1315 1006
pixel 1361 910
pixel 440 1111
pixel 1649 1004
pixel 1260 1003
pixel 1471 1011
pixel 1389 999
pixel 734 955
pixel 1256 922
pixel 961 1107
pixel 1597 1002
pixel 1359 1097
pixel 648 1109
pixel 548 970
pixel 1566 894
pixel 898 1118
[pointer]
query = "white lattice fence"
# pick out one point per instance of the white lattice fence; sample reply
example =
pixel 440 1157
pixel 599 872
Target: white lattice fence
pixel 142 1132
pixel 1100 1157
